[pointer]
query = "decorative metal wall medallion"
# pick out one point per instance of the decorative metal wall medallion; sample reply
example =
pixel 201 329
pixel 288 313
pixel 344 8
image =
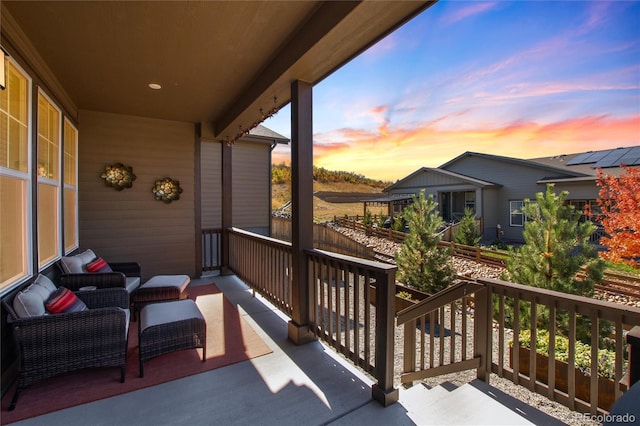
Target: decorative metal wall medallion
pixel 118 176
pixel 166 190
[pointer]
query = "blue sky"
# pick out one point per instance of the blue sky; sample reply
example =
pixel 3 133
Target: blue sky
pixel 524 79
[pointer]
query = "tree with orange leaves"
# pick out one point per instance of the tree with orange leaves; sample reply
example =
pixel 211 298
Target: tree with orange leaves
pixel 620 205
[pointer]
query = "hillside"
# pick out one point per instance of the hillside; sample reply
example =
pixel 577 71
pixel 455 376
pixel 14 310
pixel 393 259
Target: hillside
pixel 337 193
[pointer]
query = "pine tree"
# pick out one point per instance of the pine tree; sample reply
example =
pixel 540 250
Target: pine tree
pixel 421 263
pixel 556 247
pixel 467 233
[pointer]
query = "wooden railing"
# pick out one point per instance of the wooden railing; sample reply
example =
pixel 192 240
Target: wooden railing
pixel 324 238
pixel 355 223
pixel 438 334
pixel 479 254
pixel 437 330
pixel 344 315
pixel 470 325
pixel 264 264
pixel 211 249
pixel 340 307
pixel 571 316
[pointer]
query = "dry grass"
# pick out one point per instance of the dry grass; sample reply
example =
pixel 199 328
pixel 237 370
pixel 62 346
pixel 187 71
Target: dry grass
pixel 322 210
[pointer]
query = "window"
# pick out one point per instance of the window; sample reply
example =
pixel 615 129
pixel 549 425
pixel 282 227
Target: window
pixel 516 217
pixel 70 187
pixel 15 187
pixel 17 172
pixel 48 181
pixel 470 200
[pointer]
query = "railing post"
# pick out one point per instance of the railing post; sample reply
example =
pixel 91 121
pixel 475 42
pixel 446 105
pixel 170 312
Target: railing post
pixel 633 339
pixel 383 391
pixel 227 207
pixel 483 322
pixel 301 208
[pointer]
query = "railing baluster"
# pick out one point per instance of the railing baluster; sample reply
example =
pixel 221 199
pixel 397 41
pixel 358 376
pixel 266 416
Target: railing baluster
pixel 533 352
pixel 423 332
pixel 452 338
pixel 571 380
pixel 347 310
pixel 619 356
pixel 465 304
pixel 356 315
pixel 409 353
pixel 441 332
pixel 551 375
pixel 515 353
pixel 432 331
pixel 501 344
pixel 324 309
pixel 367 318
pixel 594 362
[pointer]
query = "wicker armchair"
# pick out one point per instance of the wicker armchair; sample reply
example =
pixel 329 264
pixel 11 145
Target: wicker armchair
pixel 53 344
pixel 124 274
pixel 117 278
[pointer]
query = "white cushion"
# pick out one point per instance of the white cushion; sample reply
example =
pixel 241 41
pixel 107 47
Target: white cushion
pixel 30 302
pixel 175 281
pixel 75 264
pixel 46 283
pixel 132 283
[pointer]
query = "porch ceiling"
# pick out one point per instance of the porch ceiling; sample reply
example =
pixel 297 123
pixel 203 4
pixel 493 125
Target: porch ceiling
pixel 219 62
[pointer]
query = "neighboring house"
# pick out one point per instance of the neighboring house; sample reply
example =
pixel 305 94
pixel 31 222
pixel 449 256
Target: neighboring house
pixel 495 187
pixel 251 181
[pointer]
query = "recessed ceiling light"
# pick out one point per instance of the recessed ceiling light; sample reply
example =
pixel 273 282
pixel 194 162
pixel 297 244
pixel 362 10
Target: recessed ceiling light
pixel 155 86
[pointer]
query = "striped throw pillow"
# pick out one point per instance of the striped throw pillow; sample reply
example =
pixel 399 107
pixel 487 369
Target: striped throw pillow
pixel 64 300
pixel 98 265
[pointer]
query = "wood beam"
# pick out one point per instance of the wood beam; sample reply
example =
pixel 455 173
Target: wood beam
pixel 302 207
pixel 227 205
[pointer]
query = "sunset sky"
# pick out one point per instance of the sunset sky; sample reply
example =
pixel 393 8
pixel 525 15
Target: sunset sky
pixel 523 79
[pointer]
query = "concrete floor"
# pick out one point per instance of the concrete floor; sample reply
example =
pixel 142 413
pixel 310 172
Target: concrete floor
pixel 294 385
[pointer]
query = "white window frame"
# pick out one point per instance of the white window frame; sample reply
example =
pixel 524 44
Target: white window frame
pixel 27 177
pixel 516 211
pixel 76 243
pixel 55 182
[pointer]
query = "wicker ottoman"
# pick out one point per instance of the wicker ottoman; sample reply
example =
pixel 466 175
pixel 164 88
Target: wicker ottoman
pixel 159 289
pixel 170 326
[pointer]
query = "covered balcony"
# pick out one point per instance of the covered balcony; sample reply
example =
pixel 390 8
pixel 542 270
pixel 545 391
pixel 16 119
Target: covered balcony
pixel 171 89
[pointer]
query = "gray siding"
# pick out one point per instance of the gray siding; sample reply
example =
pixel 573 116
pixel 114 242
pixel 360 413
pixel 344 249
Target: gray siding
pixel 130 225
pixel 579 191
pixel 428 179
pixel 490 209
pixel 211 184
pixel 251 183
pixel 519 182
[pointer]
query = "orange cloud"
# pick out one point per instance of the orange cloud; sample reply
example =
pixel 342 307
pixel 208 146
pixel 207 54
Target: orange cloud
pixel 392 153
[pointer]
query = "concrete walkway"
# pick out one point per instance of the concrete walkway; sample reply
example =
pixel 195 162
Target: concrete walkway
pixel 294 385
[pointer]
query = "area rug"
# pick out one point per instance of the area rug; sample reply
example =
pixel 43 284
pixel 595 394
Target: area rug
pixel 230 339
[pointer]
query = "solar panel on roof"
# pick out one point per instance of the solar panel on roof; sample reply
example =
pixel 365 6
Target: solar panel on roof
pixel 608 158
pixel 579 159
pixel 631 158
pixel 599 155
pixel 612 158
